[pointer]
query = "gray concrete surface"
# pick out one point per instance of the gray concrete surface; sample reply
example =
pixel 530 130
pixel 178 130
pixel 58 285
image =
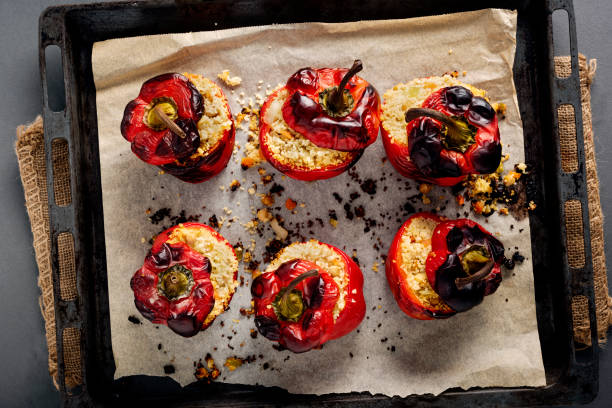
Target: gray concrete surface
pixel 24 381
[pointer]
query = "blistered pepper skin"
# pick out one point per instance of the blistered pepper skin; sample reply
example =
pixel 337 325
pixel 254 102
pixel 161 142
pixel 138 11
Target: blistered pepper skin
pixel 203 168
pixel 405 297
pixel 157 261
pixel 303 112
pixel 295 172
pixel 185 314
pixel 173 154
pixel 316 325
pixel 427 158
pixel 443 265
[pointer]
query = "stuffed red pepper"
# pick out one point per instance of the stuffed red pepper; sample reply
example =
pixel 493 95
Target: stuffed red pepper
pixel 310 293
pixel 440 130
pixel 319 123
pixel 188 278
pixel 181 123
pixel 438 267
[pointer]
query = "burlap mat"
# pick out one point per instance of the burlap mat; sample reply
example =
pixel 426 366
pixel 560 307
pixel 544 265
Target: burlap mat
pixel 31 158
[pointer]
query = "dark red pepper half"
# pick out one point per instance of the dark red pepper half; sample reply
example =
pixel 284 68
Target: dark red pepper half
pixel 452 135
pixel 152 140
pixel 333 108
pixel 305 318
pixel 173 287
pixel 464 264
pixel 173 100
pixel 294 305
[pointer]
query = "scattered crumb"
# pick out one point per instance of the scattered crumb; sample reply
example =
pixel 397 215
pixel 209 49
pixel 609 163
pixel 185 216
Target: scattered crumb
pixel 230 81
pixel 290 204
pixel 234 185
pixel 264 215
pixel 233 363
pixel 280 232
pixel 267 200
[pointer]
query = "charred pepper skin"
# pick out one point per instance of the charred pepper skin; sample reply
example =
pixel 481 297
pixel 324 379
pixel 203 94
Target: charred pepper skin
pixel 312 110
pixel 451 242
pixel 433 153
pixel 295 172
pixel 186 314
pixel 314 325
pixel 405 297
pixel 157 145
pixel 183 314
pixel 304 112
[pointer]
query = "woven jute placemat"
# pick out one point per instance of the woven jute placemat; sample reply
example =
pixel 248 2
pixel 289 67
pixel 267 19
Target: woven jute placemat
pixel 30 154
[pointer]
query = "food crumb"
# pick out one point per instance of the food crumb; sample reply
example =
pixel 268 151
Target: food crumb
pixel 290 204
pixel 234 185
pixel 133 319
pixel 230 81
pixel 233 363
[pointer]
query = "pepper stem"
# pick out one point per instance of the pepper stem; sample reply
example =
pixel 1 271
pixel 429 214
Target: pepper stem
pixel 175 282
pixel 337 101
pixel 290 304
pixel 174 128
pixel 474 256
pixel 459 135
pixel 337 98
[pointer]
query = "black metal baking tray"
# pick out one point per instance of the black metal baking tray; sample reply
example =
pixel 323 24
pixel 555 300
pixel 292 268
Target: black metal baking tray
pixel 572 375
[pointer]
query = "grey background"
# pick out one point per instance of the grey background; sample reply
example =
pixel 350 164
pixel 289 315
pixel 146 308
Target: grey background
pixel 23 354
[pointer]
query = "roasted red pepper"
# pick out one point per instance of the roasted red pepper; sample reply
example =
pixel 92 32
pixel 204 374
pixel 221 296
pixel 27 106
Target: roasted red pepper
pixel 410 287
pixel 333 108
pixel 449 267
pixel 162 125
pixel 174 286
pixel 294 304
pixel 290 169
pixel 452 135
pixel 464 264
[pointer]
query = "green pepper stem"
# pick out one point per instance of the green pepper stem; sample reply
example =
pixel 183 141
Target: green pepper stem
pixel 478 275
pixel 459 135
pixel 309 274
pixel 174 128
pixel 337 98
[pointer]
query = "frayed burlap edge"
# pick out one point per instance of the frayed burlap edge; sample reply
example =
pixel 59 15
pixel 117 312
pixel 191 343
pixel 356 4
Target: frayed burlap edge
pixel 31 158
pixel 567 141
pixel 30 154
pixel 29 148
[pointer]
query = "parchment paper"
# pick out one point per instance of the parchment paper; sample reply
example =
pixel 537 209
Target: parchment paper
pixel 495 344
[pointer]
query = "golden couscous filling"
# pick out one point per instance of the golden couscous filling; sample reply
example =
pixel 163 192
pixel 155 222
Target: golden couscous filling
pixel 400 98
pixel 224 263
pixel 324 257
pixel 216 119
pixel 290 147
pixel 415 245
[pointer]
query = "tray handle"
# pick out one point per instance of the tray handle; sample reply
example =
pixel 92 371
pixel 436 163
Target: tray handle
pixel 572 188
pixel 69 314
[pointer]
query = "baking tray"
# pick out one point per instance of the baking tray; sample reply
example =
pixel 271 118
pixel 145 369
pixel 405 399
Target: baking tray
pixel 571 370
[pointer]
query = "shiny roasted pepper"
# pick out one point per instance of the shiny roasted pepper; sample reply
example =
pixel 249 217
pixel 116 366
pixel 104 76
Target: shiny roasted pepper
pixel 162 126
pixel 464 264
pixel 334 109
pixel 461 265
pixel 173 287
pixel 294 304
pixel 347 121
pixel 453 134
pixel 410 299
